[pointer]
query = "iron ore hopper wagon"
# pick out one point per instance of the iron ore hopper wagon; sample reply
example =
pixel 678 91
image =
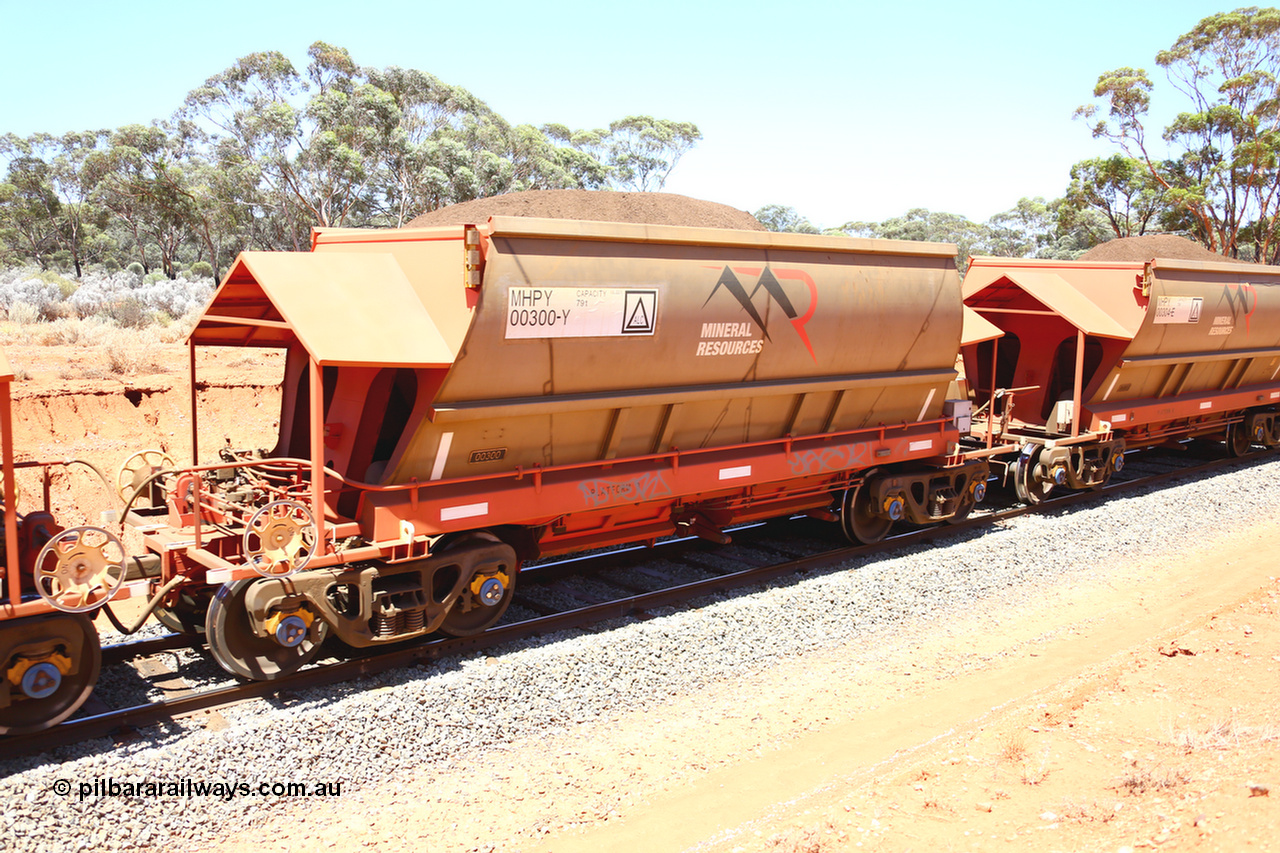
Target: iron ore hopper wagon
pixel 1090 359
pixel 459 400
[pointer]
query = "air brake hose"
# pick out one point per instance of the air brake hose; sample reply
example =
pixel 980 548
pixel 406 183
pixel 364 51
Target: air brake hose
pixel 128 505
pixel 173 583
pixel 94 469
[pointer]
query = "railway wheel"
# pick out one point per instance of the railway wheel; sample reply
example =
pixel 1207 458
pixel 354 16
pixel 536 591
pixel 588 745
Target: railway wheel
pixel 50 665
pixel 859 517
pixel 1031 489
pixel 488 594
pixel 241 652
pixel 973 495
pixel 1238 440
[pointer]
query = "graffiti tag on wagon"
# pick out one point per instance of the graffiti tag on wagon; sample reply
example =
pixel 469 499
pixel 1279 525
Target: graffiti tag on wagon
pixel 830 458
pixel 644 487
pixel 845 456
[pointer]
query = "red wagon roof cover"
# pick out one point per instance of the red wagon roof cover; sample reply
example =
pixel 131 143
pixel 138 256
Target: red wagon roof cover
pixel 1097 299
pixel 355 308
pixel 977 328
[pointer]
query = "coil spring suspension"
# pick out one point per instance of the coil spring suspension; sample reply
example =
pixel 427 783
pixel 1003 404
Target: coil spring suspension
pixel 943 502
pixel 396 622
pixel 385 625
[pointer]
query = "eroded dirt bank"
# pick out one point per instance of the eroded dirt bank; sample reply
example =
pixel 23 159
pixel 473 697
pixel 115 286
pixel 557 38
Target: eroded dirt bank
pixel 65 407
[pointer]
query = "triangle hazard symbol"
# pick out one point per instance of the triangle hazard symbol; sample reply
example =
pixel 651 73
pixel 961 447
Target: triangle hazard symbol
pixel 639 318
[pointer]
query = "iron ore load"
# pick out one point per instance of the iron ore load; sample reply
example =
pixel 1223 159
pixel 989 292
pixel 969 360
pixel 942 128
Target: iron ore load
pixel 461 399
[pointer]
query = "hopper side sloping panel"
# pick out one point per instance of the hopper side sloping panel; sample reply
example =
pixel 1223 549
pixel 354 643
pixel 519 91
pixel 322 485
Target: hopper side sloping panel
pixel 689 345
pixel 1208 327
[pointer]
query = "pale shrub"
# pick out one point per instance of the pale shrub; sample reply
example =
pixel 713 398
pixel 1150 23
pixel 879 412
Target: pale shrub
pixel 73 331
pixel 128 352
pixel 40 295
pixel 116 292
pixel 23 313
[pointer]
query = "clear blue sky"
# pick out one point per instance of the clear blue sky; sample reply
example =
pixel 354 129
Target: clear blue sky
pixel 842 110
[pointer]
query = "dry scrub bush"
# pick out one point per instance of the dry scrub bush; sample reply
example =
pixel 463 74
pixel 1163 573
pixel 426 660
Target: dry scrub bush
pixel 1083 812
pixel 1139 781
pixel 89 332
pixel 178 329
pixel 127 354
pixel 1013 747
pixel 24 313
pixel 812 839
pixel 129 298
pixel 93 333
pixel 1222 733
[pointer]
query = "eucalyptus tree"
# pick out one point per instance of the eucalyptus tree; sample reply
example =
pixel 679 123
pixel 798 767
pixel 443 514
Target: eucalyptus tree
pixel 29 207
pixel 48 206
pixel 971 238
pixel 779 217
pixel 1022 231
pixel 143 179
pixel 1223 151
pixel 1120 189
pixel 315 142
pixel 641 151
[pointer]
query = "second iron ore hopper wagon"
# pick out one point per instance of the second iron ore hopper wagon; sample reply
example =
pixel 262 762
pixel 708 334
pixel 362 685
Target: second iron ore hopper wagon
pixel 459 399
pixel 1089 359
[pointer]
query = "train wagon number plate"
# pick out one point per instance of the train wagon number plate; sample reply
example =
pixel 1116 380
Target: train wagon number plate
pixel 1177 309
pixel 581 312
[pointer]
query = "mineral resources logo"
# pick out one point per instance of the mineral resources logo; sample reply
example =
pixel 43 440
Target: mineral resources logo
pixel 728 338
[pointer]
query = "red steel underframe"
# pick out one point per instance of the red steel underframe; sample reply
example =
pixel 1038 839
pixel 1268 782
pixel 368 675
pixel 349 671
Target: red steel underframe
pixel 599 503
pixel 591 504
pixel 11 575
pixel 1128 414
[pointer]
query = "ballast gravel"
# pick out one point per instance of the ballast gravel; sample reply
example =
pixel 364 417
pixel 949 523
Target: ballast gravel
pixel 417 721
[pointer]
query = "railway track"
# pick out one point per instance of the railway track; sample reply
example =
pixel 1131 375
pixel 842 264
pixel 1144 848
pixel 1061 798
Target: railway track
pixel 574 594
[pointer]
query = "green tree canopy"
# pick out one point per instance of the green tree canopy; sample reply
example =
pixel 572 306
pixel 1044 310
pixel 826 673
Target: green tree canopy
pixel 1119 188
pixel 641 151
pixel 262 152
pixel 1221 170
pixel 777 217
pixel 1031 228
